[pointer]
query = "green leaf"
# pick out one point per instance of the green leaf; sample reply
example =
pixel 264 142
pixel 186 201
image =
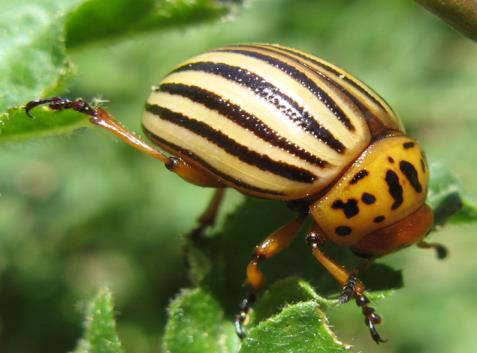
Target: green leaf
pixel 447 198
pixel 298 328
pixel 33 54
pixel 283 292
pixel 100 328
pixel 196 325
pixel 34 57
pixel 16 126
pixel 98 19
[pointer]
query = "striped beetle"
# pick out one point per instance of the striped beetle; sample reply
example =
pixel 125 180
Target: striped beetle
pixel 277 123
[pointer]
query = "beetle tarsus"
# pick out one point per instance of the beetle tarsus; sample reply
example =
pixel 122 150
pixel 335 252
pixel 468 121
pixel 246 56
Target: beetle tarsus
pixel 349 289
pixel 60 103
pixel 243 315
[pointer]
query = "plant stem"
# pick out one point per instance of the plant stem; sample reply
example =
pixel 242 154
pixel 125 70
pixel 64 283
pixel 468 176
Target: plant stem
pixel 460 14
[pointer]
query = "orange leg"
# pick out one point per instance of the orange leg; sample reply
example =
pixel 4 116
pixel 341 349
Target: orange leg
pixel 100 117
pixel 351 285
pixel 272 245
pixel 440 249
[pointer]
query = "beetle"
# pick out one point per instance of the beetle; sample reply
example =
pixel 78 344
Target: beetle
pixel 277 123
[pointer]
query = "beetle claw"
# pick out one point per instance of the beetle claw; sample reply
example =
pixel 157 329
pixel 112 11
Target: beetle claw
pixel 59 103
pixel 374 333
pixel 242 317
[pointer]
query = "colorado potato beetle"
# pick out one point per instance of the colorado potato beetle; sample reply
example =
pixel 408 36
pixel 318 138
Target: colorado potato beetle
pixel 277 123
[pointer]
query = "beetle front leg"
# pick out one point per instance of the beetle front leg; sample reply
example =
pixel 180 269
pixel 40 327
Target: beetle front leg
pixel 100 117
pixel 352 286
pixel 272 245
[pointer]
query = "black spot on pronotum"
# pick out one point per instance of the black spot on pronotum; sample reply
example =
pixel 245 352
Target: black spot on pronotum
pixel 378 219
pixel 411 174
pixel 391 159
pixel 408 145
pixel 350 207
pixel 395 188
pixel 368 199
pixel 343 230
pixel 358 176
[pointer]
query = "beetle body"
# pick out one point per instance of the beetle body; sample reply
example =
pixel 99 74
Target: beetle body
pixel 277 123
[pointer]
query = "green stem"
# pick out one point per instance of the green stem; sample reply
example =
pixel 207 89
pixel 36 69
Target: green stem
pixel 460 14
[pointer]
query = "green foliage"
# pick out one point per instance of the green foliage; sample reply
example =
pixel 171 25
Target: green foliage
pixel 33 53
pixel 196 324
pixel 448 199
pixel 97 20
pixel 34 60
pixel 78 213
pixel 299 328
pixel 16 126
pixel 100 328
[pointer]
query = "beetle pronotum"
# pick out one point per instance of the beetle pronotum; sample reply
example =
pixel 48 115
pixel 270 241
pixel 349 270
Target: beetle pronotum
pixel 277 123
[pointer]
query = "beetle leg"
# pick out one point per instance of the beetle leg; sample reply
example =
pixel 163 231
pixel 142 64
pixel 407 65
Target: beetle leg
pixel 209 216
pixel 353 282
pixel 441 250
pixel 206 220
pixel 352 286
pixel 101 118
pixel 272 245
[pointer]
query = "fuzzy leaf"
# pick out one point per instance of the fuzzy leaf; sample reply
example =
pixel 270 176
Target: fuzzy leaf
pixel 100 328
pixel 98 20
pixel 33 54
pixel 16 126
pixel 34 61
pixel 196 325
pixel 447 198
pixel 298 328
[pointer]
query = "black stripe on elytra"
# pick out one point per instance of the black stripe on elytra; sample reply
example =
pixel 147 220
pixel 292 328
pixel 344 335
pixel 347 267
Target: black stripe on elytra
pixel 336 73
pixel 363 173
pixel 371 119
pixel 241 117
pixel 271 94
pixel 232 147
pixel 410 173
pixel 300 77
pixel 408 145
pixel 160 141
pixel 350 207
pixel 395 188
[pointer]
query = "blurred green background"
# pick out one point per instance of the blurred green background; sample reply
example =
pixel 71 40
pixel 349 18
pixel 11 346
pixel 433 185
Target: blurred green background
pixel 82 211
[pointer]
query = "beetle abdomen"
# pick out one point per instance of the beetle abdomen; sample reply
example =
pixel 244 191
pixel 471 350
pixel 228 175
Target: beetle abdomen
pixel 267 120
